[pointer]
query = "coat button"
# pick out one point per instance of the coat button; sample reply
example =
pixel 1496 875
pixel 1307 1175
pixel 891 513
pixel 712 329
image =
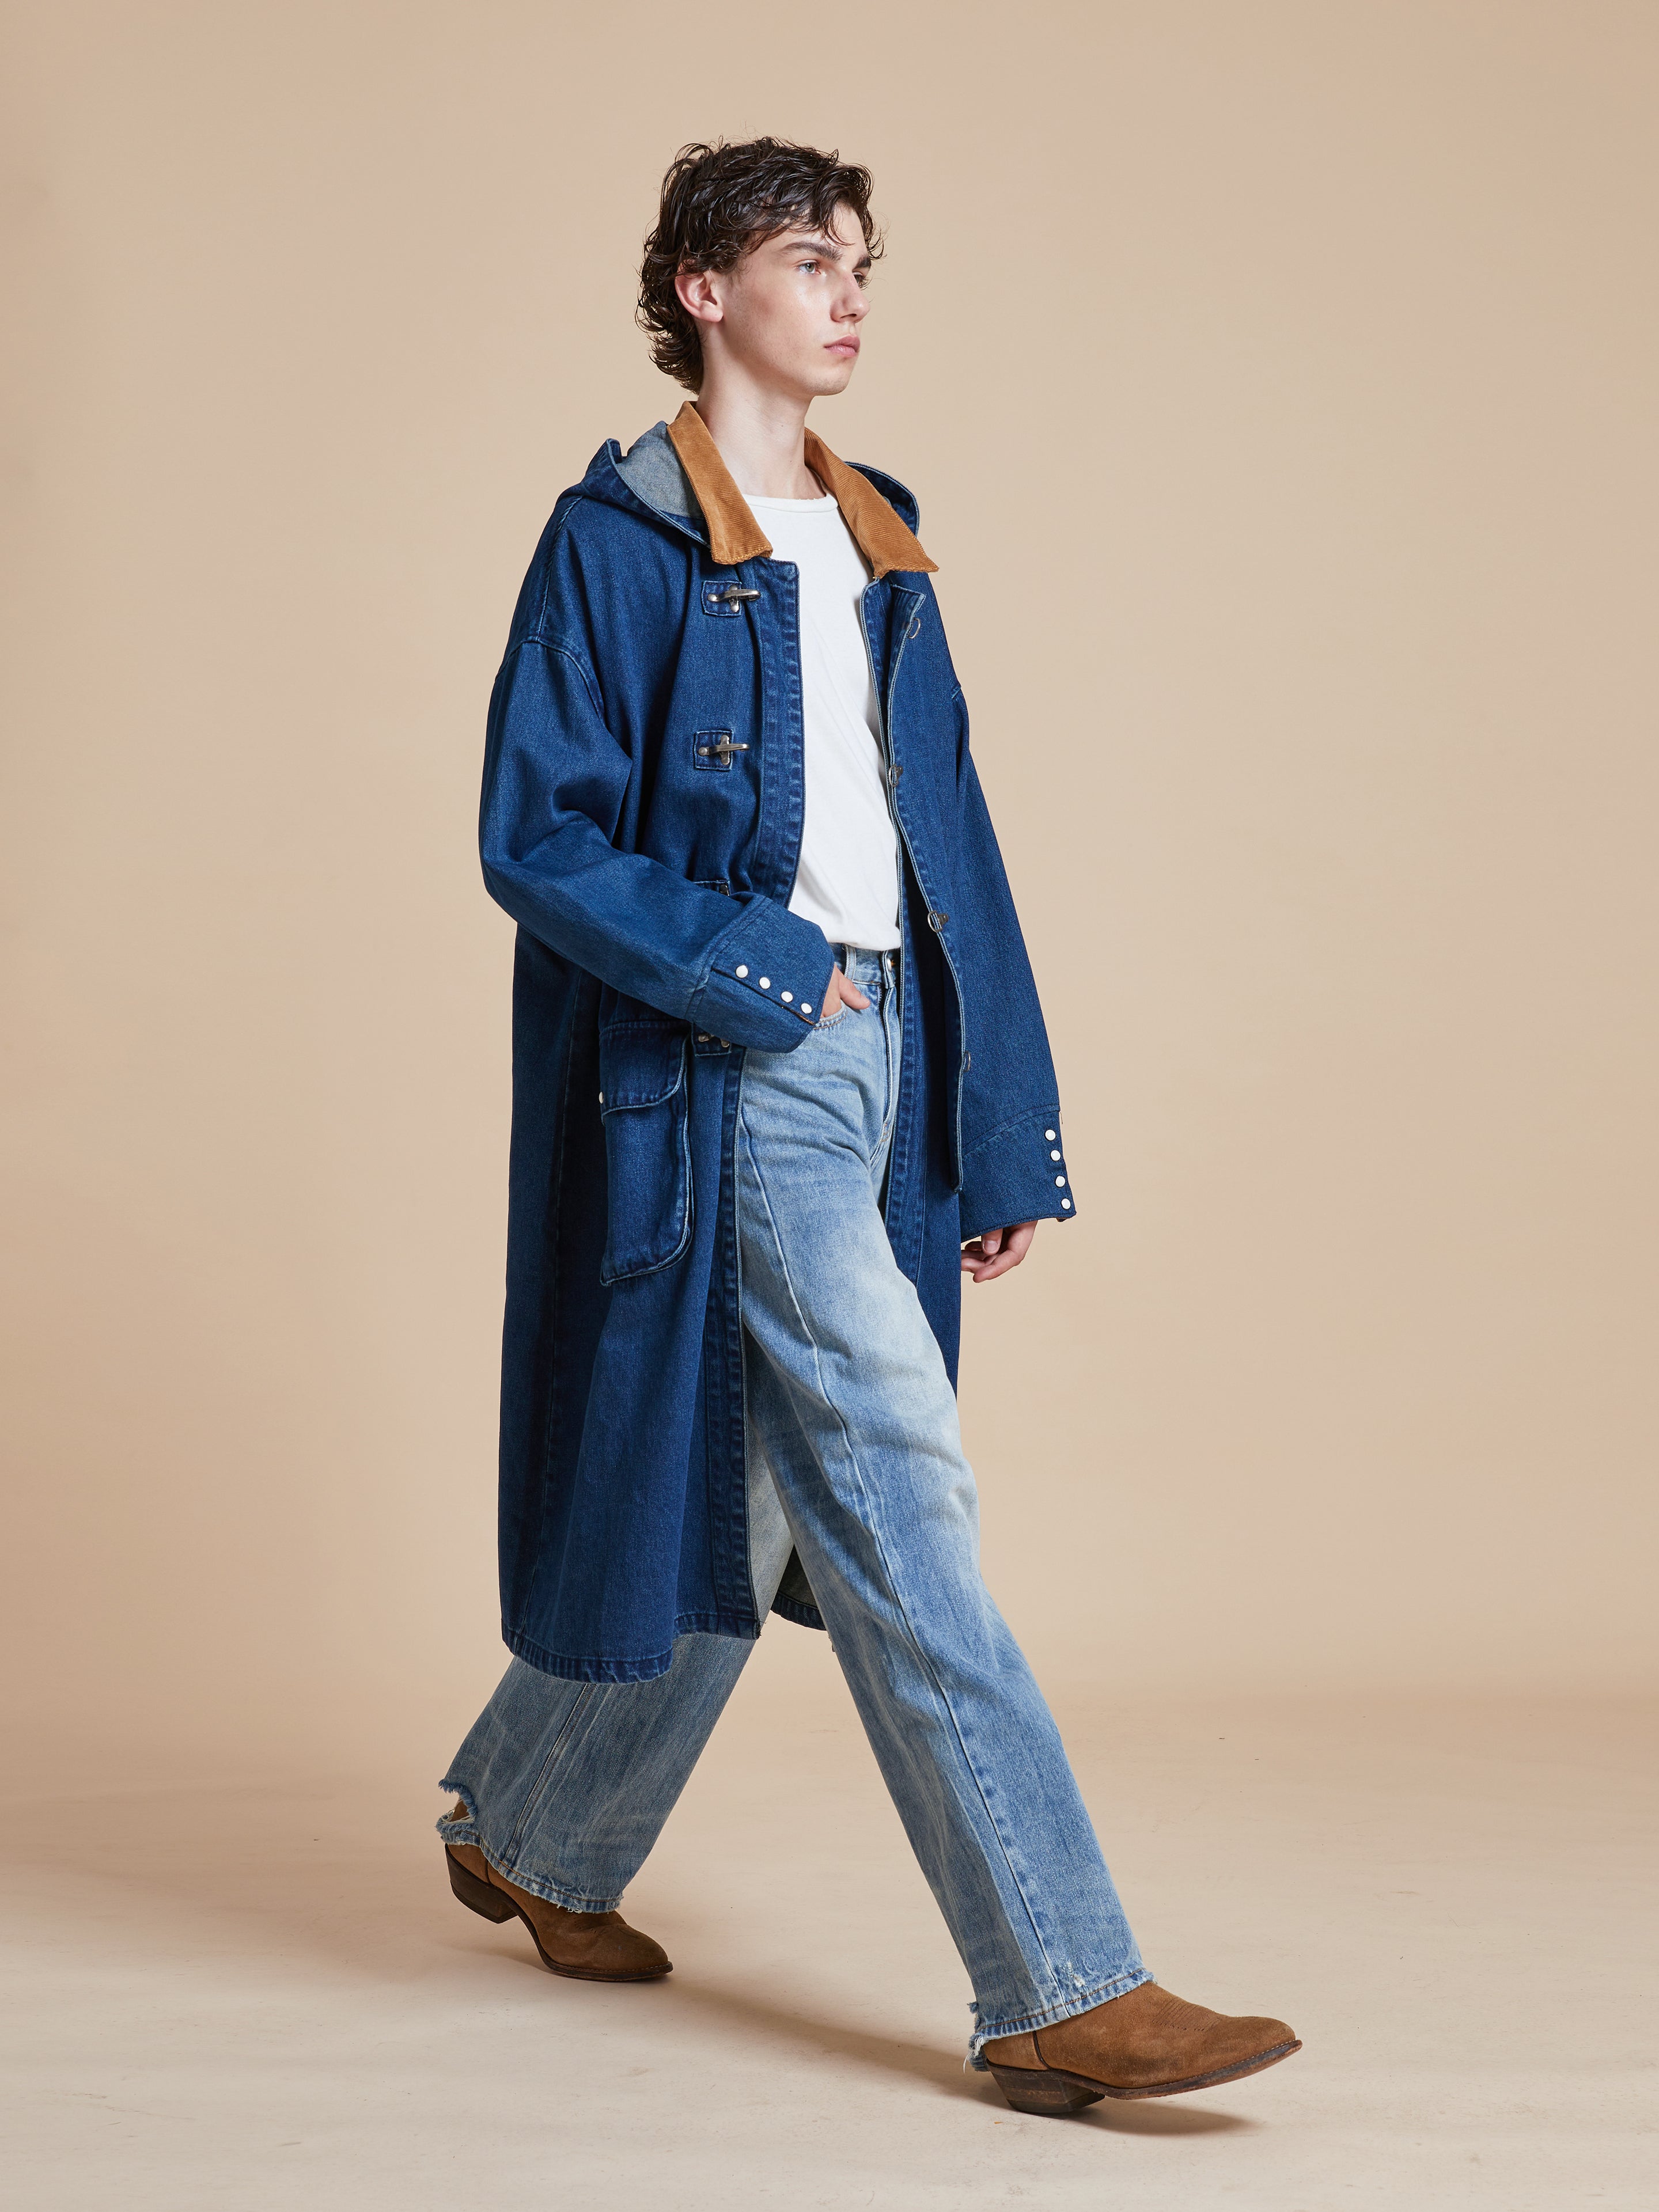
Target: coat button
pixel 766 983
pixel 789 997
pixel 1049 1134
pixel 1060 1180
pixel 742 971
pixel 1054 1155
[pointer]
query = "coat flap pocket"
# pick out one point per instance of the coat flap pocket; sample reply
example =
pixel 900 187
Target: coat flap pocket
pixel 641 1064
pixel 648 1162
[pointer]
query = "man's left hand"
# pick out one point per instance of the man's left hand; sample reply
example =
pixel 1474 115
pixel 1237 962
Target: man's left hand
pixel 995 1251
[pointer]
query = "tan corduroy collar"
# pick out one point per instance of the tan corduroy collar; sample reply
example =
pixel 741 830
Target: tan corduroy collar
pixel 734 534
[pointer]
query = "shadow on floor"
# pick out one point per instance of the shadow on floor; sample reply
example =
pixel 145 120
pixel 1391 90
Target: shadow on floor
pixel 340 1882
pixel 702 2004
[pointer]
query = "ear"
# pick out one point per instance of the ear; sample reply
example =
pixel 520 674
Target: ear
pixel 698 293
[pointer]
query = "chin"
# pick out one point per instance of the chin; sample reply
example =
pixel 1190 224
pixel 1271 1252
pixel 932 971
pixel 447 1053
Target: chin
pixel 832 377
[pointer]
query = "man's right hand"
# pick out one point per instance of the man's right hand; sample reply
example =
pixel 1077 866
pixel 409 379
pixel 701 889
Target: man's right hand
pixel 839 993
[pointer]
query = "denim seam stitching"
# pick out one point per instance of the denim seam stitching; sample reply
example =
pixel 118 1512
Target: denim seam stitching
pixel 570 1666
pixel 576 660
pixel 746 914
pixel 532 1797
pixel 1029 2023
pixel 890 1106
pixel 576 504
pixel 549 1891
pixel 654 1267
pixel 1036 1113
pixel 894 1073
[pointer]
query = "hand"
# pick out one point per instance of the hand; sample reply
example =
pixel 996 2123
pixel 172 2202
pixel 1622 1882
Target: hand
pixel 995 1251
pixel 838 992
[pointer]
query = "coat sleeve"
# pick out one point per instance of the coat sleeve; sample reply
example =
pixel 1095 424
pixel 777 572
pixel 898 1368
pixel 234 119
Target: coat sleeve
pixel 554 783
pixel 1013 1161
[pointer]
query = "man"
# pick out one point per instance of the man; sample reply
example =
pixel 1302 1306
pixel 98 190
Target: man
pixel 780 1077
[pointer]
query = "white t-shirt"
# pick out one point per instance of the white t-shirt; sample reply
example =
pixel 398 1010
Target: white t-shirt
pixel 847 880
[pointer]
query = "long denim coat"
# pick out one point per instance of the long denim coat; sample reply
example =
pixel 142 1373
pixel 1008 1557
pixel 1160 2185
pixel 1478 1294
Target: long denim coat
pixel 643 790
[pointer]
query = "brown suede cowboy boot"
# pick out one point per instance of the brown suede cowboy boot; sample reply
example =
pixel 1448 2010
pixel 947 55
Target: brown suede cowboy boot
pixel 1147 2044
pixel 590 1946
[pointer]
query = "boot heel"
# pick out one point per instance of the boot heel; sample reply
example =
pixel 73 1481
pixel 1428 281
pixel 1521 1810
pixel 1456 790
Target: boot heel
pixel 477 1896
pixel 1045 2093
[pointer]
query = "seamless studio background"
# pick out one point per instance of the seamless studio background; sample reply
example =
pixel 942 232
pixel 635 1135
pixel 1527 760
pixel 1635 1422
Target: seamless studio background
pixel 1278 385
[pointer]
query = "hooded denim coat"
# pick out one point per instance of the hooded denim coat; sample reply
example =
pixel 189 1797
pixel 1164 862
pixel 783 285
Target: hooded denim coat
pixel 643 790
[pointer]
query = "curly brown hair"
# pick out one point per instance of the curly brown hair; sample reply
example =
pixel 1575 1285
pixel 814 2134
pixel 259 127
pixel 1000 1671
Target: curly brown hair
pixel 720 202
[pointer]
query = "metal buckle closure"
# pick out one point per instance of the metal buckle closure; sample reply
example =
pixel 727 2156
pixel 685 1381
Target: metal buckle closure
pixel 716 748
pixel 725 601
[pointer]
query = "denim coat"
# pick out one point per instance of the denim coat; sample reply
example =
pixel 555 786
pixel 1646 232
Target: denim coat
pixel 642 799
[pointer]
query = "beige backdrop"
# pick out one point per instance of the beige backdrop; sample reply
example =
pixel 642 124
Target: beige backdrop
pixel 1279 384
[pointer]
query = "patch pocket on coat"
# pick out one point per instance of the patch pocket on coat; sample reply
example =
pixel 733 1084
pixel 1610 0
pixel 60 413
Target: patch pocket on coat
pixel 648 1157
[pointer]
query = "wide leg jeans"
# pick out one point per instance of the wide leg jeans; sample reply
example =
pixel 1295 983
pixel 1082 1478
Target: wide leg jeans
pixel 856 1459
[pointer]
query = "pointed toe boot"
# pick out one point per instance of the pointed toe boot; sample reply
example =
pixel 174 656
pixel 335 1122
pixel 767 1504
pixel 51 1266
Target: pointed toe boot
pixel 1147 2044
pixel 589 1947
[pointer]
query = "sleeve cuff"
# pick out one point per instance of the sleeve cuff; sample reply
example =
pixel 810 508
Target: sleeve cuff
pixel 767 980
pixel 1019 1174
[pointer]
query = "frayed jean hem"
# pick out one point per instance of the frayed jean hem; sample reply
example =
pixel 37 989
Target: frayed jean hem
pixel 466 1832
pixel 1027 2023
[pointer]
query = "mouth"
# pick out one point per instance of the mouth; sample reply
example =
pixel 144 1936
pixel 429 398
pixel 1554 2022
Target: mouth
pixel 847 348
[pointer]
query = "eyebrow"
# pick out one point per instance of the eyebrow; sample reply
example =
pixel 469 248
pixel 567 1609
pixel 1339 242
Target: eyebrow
pixel 827 249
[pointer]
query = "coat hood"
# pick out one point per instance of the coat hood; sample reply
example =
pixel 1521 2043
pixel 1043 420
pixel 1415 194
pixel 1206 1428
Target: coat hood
pixel 676 472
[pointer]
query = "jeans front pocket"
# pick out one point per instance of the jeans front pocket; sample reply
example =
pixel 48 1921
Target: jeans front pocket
pixel 648 1160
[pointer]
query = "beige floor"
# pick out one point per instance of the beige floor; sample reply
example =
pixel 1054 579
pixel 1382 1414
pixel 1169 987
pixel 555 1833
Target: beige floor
pixel 236 1997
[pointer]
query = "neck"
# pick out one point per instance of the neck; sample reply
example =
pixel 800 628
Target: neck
pixel 761 435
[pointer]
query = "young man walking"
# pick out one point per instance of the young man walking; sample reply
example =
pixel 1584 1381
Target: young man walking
pixel 780 1077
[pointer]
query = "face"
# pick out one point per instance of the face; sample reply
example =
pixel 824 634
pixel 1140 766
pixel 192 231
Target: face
pixel 788 315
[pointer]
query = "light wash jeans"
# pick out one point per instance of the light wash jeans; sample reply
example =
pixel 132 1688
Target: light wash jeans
pixel 855 1459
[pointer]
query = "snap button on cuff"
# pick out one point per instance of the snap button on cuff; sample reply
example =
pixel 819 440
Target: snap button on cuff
pixel 742 972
